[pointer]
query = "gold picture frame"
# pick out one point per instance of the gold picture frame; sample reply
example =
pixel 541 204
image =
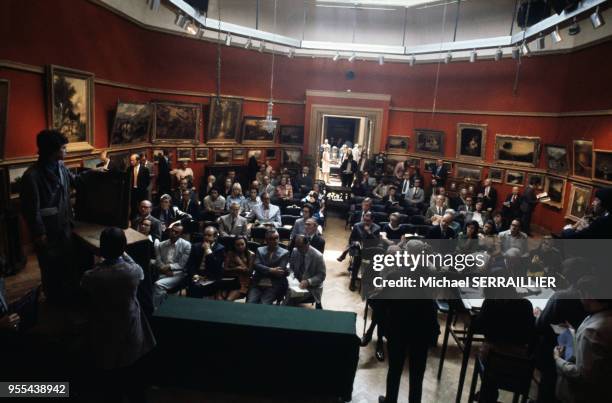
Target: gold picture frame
pixel 517 150
pixel 471 141
pixel 554 186
pixel 579 200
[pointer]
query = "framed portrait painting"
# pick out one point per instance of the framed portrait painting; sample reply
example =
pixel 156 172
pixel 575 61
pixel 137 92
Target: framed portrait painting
pixel 496 175
pixel 201 154
pixel 4 102
pixel 223 156
pixel 582 161
pixel 176 122
pixel 602 162
pixel 224 120
pixel 132 124
pixel 429 141
pixel 70 105
pixel 515 178
pixel 471 141
pixel 517 150
pixel 579 200
pixel 555 188
pixel 557 159
pixel 253 131
pixel 292 135
pixel 184 154
pixel 397 143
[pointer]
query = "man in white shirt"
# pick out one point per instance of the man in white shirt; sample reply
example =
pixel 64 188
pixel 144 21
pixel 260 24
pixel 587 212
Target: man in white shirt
pixel 250 202
pixel 183 171
pixel 267 213
pixel 170 258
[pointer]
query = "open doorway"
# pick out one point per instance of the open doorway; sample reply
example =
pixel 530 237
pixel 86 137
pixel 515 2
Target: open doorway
pixel 342 135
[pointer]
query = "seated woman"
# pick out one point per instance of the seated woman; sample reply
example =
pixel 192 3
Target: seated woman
pixel 239 264
pixel 284 190
pixel 467 241
pixel 235 197
pixel 318 213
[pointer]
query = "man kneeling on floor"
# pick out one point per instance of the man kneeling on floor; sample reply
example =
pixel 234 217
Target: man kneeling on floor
pixel 306 268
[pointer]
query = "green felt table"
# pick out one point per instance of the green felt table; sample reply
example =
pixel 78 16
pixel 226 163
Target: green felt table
pixel 235 346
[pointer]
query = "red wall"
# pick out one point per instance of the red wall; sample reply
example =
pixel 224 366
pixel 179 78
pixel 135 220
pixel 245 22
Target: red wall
pixel 81 35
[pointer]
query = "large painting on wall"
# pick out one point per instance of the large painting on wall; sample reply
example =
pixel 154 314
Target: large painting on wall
pixel 580 198
pixel 517 150
pixel 176 123
pixel 254 133
pixel 4 101
pixel 429 141
pixel 603 165
pixel 557 159
pixel 582 153
pixel 471 141
pixel 132 123
pixel 292 135
pixel 70 105
pixel 555 188
pixel 224 120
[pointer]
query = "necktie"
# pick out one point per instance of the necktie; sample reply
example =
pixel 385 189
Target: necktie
pixel 513 198
pixel 233 222
pixel 405 188
pixel 439 210
pixel 135 176
pixel 416 193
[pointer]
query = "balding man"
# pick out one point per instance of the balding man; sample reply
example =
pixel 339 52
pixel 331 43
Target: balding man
pixel 144 212
pixel 233 224
pixel 440 173
pixel 139 183
pixel 443 229
pixel 512 205
pixel 489 196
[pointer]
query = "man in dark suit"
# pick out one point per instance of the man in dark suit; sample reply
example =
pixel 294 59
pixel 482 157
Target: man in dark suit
pixel 270 279
pixel 440 173
pixel 348 169
pixel 144 213
pixel 311 233
pixel 489 196
pixel 139 182
pixel 512 206
pixel 405 185
pixel 206 262
pixel 442 230
pixel 303 182
pixel 367 233
pixel 164 167
pixel 308 267
pixel 528 203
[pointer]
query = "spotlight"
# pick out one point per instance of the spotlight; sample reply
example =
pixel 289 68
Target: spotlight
pixel 597 19
pixel 381 60
pixel 473 56
pixel 228 39
pixel 248 44
pixel 525 49
pixel 499 54
pixel 290 54
pixel 448 58
pixel 262 46
pixel 352 57
pixel 191 28
pixel 515 52
pixel 555 35
pixel 412 61
pixel 574 29
pixel 336 56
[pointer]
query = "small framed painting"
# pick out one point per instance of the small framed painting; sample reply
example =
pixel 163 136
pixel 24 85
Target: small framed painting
pixel 515 178
pixel 201 154
pixel 223 156
pixel 271 153
pixel 471 141
pixel 582 158
pixel 184 154
pixel 602 161
pixel 496 175
pixel 397 143
pixel 536 179
pixel 254 153
pixel 291 157
pixel 239 154
pixel 557 159
pixel 469 171
pixel 555 188
pixel 429 141
pixel 579 200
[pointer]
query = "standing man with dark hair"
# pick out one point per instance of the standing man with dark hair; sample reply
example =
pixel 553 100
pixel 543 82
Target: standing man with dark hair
pixel 348 169
pixel 139 183
pixel 45 205
pixel 163 173
pixel 528 203
pixel 440 173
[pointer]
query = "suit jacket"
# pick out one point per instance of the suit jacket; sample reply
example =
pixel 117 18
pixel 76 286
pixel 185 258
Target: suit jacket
pixel 431 211
pixel 312 269
pixel 440 173
pixel 490 200
pixel 213 261
pixel 173 214
pixel 264 262
pixel 436 233
pixel 515 207
pixel 143 179
pixel 412 197
pixel 317 242
pixel 359 234
pixel 274 214
pixel 528 200
pixel 303 182
pixel 156 231
pixel 181 254
pixel 344 167
pixel 225 225
pixel 404 182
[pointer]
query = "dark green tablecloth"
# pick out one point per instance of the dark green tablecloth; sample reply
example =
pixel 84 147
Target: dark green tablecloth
pixel 255 348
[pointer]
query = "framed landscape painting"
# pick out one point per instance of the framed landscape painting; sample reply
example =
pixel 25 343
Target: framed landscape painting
pixel 468 171
pixel 254 133
pixel 555 188
pixel 292 135
pixel 515 178
pixel 70 105
pixel 4 102
pixel 602 162
pixel 582 161
pixel 471 141
pixel 557 159
pixel 580 198
pixel 176 122
pixel 496 175
pixel 223 156
pixel 397 143
pixel 132 124
pixel 184 154
pixel 517 150
pixel 201 154
pixel 429 141
pixel 239 154
pixel 224 120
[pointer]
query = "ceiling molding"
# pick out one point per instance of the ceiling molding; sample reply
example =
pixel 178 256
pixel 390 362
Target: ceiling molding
pixel 348 95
